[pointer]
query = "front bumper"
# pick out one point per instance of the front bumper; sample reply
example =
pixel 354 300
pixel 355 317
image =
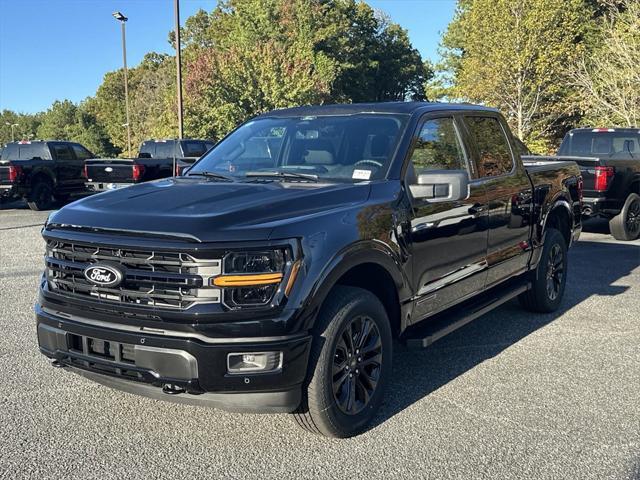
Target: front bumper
pixel 188 370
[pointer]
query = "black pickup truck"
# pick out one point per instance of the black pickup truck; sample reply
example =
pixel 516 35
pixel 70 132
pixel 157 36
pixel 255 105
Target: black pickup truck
pixel 42 171
pixel 156 159
pixel 275 274
pixel 609 159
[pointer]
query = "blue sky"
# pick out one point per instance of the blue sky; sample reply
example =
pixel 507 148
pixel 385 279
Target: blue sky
pixel 56 49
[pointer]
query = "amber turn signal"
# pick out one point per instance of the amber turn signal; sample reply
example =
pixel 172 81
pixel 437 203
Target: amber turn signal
pixel 247 280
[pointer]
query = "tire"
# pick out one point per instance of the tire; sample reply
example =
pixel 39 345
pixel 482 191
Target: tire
pixel 360 378
pixel 41 196
pixel 626 225
pixel 550 277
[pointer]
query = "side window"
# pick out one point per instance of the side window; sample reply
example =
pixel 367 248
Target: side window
pixel 495 154
pixel 62 152
pixel 164 150
pixel 438 147
pixel 81 152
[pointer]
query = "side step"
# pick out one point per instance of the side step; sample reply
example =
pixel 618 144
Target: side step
pixel 451 320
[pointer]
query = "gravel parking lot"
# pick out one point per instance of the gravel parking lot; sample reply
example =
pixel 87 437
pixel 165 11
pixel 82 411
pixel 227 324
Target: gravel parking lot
pixel 512 395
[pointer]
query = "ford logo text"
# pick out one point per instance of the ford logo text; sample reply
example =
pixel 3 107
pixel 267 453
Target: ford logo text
pixel 103 275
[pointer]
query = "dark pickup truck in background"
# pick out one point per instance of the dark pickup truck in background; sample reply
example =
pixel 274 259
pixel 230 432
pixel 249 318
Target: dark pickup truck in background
pixel 42 171
pixel 609 161
pixel 274 275
pixel 156 159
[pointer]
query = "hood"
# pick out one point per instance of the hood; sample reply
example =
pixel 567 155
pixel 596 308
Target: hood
pixel 210 210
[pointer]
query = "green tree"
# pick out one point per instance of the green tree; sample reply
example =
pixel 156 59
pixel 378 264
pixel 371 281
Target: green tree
pixel 608 78
pixel 67 121
pixel 251 56
pixel 514 55
pixel 27 125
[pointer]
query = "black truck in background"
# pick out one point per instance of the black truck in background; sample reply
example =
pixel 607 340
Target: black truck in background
pixel 156 159
pixel 609 161
pixel 42 172
pixel 274 275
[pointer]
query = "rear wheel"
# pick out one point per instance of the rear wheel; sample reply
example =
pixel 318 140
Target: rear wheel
pixel 626 225
pixel 349 364
pixel 550 278
pixel 41 197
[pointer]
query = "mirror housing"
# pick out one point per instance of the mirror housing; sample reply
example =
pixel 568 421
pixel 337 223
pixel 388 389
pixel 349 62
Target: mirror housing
pixel 437 186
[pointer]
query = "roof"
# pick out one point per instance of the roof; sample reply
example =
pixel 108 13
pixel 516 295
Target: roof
pixel 402 108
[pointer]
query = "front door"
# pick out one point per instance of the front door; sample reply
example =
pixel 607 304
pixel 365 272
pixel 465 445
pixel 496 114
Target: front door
pixel 448 240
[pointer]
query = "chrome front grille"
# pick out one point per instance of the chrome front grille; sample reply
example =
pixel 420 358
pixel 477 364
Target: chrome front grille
pixel 154 279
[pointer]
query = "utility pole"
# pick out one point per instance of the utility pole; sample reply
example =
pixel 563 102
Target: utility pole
pixel 12 125
pixel 176 8
pixel 122 19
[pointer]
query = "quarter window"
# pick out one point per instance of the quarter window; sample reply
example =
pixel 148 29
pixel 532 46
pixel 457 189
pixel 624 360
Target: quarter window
pixel 438 147
pixel 81 152
pixel 493 148
pixel 62 152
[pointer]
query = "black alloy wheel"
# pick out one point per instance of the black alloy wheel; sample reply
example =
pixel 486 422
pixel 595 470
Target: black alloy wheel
pixel 555 272
pixel 356 365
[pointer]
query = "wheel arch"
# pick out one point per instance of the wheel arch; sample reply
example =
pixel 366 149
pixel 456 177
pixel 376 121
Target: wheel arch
pixel 370 265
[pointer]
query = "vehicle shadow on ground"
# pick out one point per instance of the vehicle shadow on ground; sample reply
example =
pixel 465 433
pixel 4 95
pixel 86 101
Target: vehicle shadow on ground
pixel 593 269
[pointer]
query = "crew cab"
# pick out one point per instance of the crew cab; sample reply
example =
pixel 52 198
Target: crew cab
pixel 274 275
pixel 42 171
pixel 156 159
pixel 609 160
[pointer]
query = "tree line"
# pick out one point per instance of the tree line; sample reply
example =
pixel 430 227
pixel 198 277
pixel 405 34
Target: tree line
pixel 548 66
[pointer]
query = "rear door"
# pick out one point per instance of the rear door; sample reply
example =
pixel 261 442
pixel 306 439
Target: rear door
pixel 448 239
pixel 509 196
pixel 81 154
pixel 65 164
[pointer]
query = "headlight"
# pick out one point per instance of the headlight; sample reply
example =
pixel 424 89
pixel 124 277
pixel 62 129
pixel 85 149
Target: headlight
pixel 252 278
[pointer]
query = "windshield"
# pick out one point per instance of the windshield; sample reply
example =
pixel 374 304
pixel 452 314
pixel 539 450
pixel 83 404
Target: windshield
pixel 598 143
pixel 331 148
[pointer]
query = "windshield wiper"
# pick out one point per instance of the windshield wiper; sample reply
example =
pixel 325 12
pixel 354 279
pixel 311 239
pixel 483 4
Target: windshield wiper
pixel 215 175
pixel 283 175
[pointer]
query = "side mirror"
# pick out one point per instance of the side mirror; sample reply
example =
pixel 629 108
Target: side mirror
pixel 441 186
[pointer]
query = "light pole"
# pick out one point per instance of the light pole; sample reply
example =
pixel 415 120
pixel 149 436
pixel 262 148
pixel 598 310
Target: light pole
pixel 122 19
pixel 12 125
pixel 176 8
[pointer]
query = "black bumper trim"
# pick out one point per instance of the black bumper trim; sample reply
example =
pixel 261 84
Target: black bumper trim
pixel 255 402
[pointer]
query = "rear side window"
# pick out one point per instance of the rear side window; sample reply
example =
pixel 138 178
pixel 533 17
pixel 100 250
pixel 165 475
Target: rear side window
pixel 194 149
pixel 62 152
pixel 438 147
pixel 26 151
pixel 81 152
pixel 164 150
pixel 494 153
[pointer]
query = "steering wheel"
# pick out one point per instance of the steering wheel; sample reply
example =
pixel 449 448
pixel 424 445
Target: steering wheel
pixel 369 162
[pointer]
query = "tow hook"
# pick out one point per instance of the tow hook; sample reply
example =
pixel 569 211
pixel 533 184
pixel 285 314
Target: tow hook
pixel 57 364
pixel 171 389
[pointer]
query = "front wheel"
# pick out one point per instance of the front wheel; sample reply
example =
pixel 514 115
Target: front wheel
pixel 626 225
pixel 550 277
pixel 350 363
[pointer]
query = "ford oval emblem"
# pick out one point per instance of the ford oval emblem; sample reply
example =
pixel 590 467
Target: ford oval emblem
pixel 103 275
pixel 108 169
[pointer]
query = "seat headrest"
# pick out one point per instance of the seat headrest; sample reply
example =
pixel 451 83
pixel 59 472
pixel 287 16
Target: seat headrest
pixel 380 145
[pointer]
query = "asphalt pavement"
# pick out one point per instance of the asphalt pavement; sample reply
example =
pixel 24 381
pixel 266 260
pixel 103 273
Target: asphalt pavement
pixel 512 395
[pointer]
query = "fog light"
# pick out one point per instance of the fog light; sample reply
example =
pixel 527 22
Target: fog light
pixel 254 362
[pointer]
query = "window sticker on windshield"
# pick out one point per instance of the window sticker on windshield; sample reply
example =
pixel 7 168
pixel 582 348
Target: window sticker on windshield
pixel 361 174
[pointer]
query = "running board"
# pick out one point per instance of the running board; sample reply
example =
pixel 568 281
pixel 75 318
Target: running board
pixel 457 317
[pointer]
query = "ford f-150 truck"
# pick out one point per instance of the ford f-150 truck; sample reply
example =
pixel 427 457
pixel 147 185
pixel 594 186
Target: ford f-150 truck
pixel 275 274
pixel 610 165
pixel 156 159
pixel 42 171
